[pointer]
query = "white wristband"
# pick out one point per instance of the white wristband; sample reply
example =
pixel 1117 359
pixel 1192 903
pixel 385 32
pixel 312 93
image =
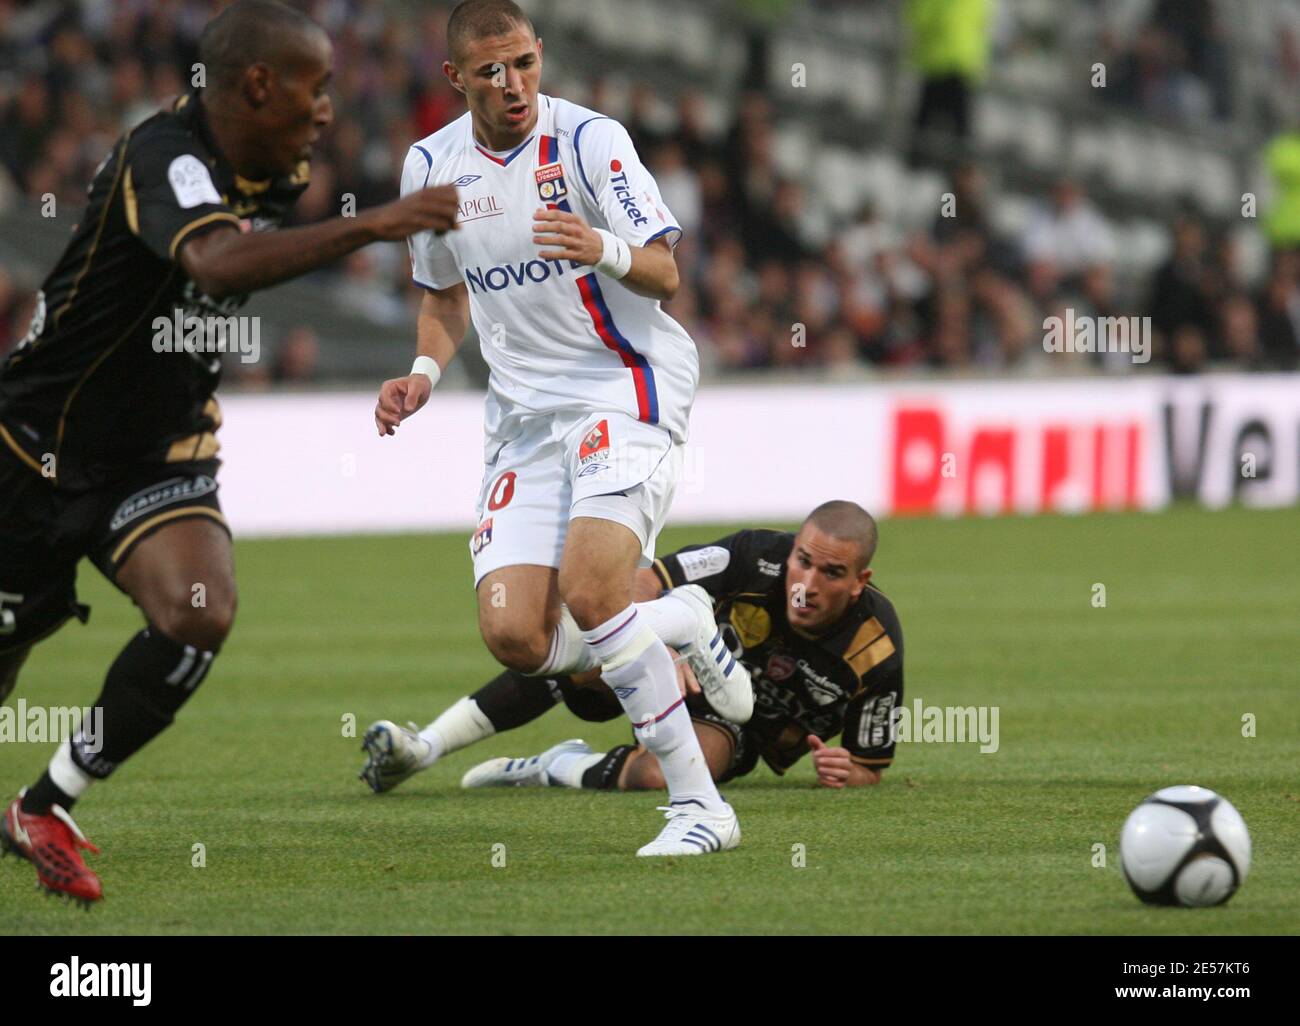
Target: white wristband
pixel 616 261
pixel 427 366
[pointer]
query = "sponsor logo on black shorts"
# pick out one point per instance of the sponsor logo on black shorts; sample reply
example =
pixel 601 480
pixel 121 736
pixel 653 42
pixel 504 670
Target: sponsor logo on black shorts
pixel 165 493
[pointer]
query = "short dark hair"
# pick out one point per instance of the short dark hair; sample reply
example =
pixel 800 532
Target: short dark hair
pixel 847 521
pixel 249 32
pixel 481 19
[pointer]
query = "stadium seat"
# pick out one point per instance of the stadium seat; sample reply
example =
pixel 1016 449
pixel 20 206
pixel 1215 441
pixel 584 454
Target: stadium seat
pixel 1039 138
pixel 994 122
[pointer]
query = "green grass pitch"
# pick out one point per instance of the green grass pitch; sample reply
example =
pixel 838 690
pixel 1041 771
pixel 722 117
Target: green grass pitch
pixel 1098 708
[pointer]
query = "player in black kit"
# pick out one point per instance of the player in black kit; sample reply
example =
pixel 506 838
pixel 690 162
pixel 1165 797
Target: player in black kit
pixel 823 647
pixel 108 445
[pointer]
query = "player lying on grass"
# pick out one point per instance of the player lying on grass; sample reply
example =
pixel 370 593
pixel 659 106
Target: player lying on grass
pixel 563 259
pixel 824 649
pixel 108 445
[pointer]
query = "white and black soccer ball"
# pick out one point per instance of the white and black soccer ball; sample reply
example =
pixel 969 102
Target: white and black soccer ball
pixel 1185 845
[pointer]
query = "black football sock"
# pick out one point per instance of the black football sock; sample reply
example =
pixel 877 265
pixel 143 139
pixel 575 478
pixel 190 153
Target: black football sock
pixel 44 793
pixel 604 775
pixel 146 685
pixel 512 699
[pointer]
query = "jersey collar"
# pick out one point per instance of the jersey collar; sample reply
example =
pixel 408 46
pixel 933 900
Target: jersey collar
pixel 189 109
pixel 505 161
pixel 543 127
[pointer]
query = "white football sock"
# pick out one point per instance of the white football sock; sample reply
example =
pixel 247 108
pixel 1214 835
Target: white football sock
pixel 457 728
pixel 67 776
pixel 569 653
pixel 639 670
pixel 672 619
pixel 566 770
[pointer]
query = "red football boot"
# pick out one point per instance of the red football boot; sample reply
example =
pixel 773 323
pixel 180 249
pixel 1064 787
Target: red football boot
pixel 50 842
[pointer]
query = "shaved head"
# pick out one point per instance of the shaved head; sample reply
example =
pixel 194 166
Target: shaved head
pixel 847 521
pixel 254 32
pixel 267 69
pixel 473 20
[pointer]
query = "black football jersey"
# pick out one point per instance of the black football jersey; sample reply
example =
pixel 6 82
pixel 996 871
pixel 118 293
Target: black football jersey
pixel 85 386
pixel 848 681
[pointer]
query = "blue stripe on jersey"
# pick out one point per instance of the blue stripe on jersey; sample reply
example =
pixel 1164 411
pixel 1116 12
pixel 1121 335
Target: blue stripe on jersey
pixel 577 136
pixel 651 395
pixel 429 169
pixel 670 228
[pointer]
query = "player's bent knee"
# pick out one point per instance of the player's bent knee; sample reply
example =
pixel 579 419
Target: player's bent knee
pixel 201 619
pixel 519 650
pixel 593 603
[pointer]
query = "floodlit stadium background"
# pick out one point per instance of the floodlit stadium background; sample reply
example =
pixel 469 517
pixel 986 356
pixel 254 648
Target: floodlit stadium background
pixel 1100 158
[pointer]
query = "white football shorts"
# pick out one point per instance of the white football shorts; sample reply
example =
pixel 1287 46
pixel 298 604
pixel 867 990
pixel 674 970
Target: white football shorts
pixel 606 465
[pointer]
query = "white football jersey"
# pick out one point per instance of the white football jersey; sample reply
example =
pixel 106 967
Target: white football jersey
pixel 556 335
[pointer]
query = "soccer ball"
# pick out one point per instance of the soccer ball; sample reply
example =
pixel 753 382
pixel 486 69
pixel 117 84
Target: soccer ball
pixel 1185 846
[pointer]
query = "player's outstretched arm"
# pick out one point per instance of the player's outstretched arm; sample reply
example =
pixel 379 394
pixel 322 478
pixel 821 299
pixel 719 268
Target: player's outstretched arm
pixel 443 321
pixel 225 262
pixel 566 236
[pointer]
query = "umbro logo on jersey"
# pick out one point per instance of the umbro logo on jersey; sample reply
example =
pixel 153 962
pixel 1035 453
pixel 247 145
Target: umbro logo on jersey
pixel 465 180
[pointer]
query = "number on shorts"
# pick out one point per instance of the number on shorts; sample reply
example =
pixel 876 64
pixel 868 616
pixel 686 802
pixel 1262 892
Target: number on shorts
pixel 502 491
pixel 8 620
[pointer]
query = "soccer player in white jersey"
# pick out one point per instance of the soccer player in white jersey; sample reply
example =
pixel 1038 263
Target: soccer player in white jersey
pixel 562 253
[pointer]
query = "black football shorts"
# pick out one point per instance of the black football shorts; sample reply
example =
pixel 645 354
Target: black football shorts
pixel 45 532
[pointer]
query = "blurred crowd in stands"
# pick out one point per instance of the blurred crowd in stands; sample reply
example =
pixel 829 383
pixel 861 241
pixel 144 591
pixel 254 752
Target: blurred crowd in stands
pixel 764 282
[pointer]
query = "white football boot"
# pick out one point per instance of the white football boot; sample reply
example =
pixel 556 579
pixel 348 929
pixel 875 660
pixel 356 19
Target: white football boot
pixel 393 754
pixel 723 678
pixel 522 772
pixel 692 831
